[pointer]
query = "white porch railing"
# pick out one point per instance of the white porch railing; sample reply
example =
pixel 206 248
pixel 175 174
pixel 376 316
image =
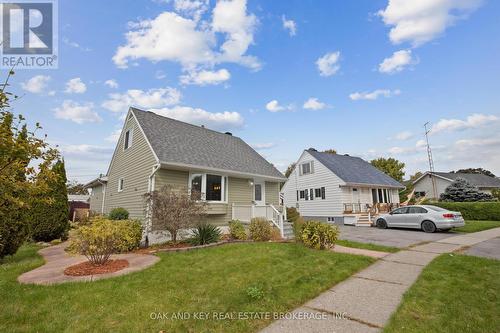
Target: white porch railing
pixel 245 213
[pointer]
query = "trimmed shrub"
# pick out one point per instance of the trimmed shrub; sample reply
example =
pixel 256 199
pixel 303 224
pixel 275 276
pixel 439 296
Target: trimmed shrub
pixel 260 229
pixel 275 234
pixel 318 235
pixel 205 234
pixel 489 211
pixel 292 214
pixel 237 230
pixel 103 237
pixel 118 213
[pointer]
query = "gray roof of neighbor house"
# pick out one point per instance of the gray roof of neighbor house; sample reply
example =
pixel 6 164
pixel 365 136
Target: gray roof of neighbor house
pixel 476 179
pixel 354 170
pixel 181 143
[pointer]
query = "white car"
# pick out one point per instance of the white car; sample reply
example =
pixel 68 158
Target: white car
pixel 425 217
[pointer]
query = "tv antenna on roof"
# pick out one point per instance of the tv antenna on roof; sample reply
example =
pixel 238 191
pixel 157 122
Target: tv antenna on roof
pixel 431 160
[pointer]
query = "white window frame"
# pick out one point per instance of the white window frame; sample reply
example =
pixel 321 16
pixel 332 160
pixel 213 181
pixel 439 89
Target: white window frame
pixel 121 182
pixel 224 183
pixel 302 173
pixel 130 136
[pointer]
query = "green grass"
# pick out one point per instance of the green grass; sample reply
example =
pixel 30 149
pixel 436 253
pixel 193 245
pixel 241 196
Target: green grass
pixel 367 246
pixel 218 279
pixel 455 293
pixel 474 226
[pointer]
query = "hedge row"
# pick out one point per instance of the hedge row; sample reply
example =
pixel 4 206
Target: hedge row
pixel 489 211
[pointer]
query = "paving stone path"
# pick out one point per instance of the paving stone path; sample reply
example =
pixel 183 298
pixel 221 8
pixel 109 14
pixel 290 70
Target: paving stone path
pixel 365 301
pixel 57 260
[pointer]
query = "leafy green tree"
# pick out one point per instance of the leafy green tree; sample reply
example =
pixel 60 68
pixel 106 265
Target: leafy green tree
pixel 22 154
pixel 462 191
pixel 75 187
pixel 390 166
pixel 289 170
pixel 330 151
pixel 476 170
pixel 49 211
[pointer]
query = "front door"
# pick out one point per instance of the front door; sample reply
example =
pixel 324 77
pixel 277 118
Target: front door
pixel 259 193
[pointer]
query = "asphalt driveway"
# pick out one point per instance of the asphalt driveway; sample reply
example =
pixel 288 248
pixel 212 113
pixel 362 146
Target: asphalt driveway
pixel 390 237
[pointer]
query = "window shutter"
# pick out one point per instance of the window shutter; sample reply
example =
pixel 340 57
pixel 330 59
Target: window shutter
pixel 297 195
pixel 311 193
pixel 323 193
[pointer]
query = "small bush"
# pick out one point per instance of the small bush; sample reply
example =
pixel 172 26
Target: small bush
pixel 104 237
pixel 488 211
pixel 260 229
pixel 275 234
pixel 255 293
pixel 292 214
pixel 318 235
pixel 118 213
pixel 237 230
pixel 205 234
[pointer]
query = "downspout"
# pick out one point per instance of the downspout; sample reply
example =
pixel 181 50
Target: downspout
pixel 103 195
pixel 149 218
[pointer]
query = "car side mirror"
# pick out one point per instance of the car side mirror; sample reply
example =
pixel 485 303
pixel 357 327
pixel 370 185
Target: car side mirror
pixel 390 213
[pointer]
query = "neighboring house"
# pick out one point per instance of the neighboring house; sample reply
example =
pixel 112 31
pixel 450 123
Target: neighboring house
pixel 153 151
pixel 424 187
pixel 339 188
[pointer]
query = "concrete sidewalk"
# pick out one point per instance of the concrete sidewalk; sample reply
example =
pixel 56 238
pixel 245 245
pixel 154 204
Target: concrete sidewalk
pixel 365 301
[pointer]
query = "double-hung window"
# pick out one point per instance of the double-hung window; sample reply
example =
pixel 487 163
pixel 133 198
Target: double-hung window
pixel 306 168
pixel 120 184
pixel 127 141
pixel 208 187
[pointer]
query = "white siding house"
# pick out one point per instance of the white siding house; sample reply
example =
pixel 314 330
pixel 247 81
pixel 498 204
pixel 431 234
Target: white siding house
pixel 338 188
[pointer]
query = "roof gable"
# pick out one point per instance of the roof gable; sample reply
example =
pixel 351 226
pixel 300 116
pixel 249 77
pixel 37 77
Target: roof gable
pixel 354 170
pixel 177 142
pixel 476 179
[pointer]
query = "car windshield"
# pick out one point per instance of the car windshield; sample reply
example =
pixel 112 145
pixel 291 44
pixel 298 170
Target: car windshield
pixel 436 209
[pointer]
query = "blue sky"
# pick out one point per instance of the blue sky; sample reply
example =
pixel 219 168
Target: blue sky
pixel 358 76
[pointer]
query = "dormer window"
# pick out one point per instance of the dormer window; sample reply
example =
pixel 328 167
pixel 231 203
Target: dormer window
pixel 127 142
pixel 306 168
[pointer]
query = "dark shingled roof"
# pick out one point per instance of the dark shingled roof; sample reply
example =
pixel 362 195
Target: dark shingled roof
pixel 478 180
pixel 174 141
pixel 354 169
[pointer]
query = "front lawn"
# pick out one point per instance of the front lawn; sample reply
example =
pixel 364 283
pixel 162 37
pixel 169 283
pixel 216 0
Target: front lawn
pixel 230 279
pixel 455 293
pixel 473 226
pixel 367 246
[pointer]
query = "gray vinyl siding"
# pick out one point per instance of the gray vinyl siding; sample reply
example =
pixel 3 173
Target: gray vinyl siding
pixel 134 165
pixel 96 199
pixel 272 193
pixel 239 191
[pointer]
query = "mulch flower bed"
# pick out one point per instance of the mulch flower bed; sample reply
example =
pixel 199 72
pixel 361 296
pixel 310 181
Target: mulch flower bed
pixel 87 268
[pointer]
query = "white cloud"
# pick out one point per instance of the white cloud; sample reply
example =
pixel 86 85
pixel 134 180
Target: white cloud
pixel 76 112
pixel 153 98
pixel 171 37
pixel 111 83
pixel 36 84
pixel 160 75
pixel 419 22
pixel 274 106
pixel 313 104
pixel 405 135
pixel 374 94
pixel 114 136
pixel 85 150
pixel 328 64
pixel 191 8
pixel 397 62
pixel 198 116
pixel 75 86
pixel 475 120
pixel 263 146
pixel 206 77
pixel 289 25
pixel 75 45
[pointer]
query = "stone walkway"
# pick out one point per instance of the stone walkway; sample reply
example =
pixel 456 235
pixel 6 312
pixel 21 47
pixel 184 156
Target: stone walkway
pixel 57 260
pixel 365 301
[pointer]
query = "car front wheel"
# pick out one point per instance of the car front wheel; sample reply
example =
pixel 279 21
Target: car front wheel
pixel 381 224
pixel 428 226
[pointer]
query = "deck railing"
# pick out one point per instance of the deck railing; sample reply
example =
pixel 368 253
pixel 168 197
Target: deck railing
pixel 358 208
pixel 246 212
